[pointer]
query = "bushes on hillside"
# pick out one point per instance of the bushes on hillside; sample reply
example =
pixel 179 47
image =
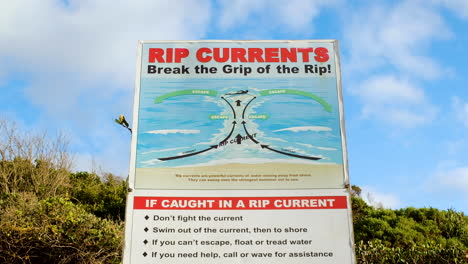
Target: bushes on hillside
pixel 54 230
pixel 375 252
pixel 52 216
pixel 49 215
pixel 410 235
pixel 104 197
pixel 32 163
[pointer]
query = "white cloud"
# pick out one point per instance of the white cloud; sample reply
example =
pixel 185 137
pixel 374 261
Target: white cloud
pixel 298 14
pixel 397 35
pixel 78 62
pixel 70 49
pixel 450 177
pixel 395 39
pixel 460 7
pixel 395 101
pixel 305 128
pixel 173 131
pixel 94 36
pixel 457 178
pixel 461 110
pixel 380 199
pixel 238 11
pixel 287 15
pixel 387 89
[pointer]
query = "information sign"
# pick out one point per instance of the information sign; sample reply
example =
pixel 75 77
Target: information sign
pixel 238 154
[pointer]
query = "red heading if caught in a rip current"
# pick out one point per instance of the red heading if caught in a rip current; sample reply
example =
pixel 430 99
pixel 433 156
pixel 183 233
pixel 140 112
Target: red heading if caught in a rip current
pixel 245 55
pixel 240 203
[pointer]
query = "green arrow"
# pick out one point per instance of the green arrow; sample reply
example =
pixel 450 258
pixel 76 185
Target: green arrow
pixel 161 98
pixel 259 116
pixel 219 117
pixel 327 107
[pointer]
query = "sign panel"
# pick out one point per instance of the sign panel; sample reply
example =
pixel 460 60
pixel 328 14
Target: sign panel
pixel 238 135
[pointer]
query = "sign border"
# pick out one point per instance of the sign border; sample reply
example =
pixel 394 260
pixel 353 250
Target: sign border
pixel 136 106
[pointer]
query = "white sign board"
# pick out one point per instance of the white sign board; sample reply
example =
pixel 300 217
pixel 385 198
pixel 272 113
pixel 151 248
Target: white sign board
pixel 238 155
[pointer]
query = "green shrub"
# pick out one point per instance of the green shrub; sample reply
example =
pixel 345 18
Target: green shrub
pixel 375 252
pixel 55 230
pixel 32 163
pixel 106 198
pixel 409 235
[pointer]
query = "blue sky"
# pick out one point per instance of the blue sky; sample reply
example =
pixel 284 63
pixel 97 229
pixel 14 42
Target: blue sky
pixel 69 67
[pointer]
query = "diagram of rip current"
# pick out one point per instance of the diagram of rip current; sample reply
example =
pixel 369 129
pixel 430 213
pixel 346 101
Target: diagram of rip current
pixel 232 100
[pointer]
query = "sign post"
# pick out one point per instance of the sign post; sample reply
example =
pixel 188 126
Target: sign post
pixel 238 155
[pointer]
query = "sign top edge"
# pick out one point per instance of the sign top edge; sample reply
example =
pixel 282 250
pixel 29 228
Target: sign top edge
pixel 246 41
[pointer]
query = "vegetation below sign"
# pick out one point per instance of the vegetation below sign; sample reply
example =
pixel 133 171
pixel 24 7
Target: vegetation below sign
pixel 51 215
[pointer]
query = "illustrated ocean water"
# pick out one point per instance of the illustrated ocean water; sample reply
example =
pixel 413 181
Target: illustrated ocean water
pixel 193 122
